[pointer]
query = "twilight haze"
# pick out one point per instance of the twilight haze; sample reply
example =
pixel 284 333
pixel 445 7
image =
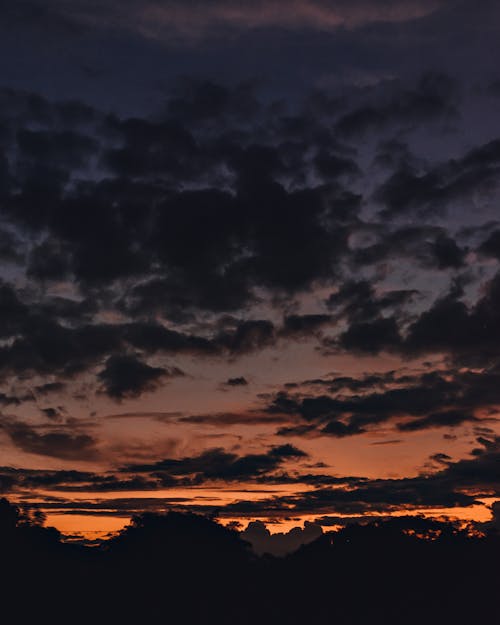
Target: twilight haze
pixel 250 260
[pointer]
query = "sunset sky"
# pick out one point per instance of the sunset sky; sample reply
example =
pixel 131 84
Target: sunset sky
pixel 250 259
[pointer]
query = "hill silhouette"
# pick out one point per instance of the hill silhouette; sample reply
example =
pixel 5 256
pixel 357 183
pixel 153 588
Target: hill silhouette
pixel 186 568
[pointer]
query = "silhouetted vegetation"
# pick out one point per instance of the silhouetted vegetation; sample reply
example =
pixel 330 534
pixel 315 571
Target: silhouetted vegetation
pixel 184 568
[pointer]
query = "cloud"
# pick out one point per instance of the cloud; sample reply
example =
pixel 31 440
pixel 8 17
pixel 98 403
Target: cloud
pixel 238 381
pixel 217 464
pixel 269 238
pixel 227 419
pixel 465 333
pixel 126 376
pixel 415 402
pixel 281 543
pixel 482 469
pixel 52 413
pixel 13 400
pixel 305 325
pixel 468 334
pixel 358 301
pixel 448 418
pixel 434 98
pixel 58 443
pixel 460 483
pixel 247 336
pixel 432 247
pixel 495 509
pixel 190 242
pixel 372 336
pixel 379 496
pixel 455 180
pixel 491 246
pixel 192 20
pixel 49 387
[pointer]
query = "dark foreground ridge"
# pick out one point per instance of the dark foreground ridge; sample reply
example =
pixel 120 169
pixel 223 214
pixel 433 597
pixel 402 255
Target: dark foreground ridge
pixel 187 569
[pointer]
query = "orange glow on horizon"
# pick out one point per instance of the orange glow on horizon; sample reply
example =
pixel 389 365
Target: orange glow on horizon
pixel 101 526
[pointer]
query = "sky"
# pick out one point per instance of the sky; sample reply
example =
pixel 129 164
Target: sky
pixel 250 260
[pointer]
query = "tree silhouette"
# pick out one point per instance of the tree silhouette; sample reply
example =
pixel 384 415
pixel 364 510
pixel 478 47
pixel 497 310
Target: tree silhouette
pixel 186 568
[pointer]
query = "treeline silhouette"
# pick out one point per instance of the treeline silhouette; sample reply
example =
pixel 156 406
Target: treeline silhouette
pixel 188 569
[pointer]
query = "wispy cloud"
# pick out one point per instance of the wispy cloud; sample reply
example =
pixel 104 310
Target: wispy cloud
pixel 164 18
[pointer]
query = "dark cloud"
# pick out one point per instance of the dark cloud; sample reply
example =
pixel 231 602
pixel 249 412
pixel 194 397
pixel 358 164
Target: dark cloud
pixel 491 246
pixel 217 464
pixel 371 336
pixel 446 399
pixel 448 418
pixel 127 376
pixel 434 98
pixel 431 247
pixel 305 325
pixel 48 261
pixel 47 347
pixel 154 337
pixel 358 301
pixel 482 469
pixel 128 238
pixel 51 413
pixel 67 445
pixel 393 154
pixel 247 336
pixel 280 543
pixel 59 148
pixel 450 326
pixel 330 165
pixel 465 333
pixel 226 419
pixel 238 381
pixel 203 101
pixel 68 481
pixel 495 508
pixel 50 387
pixel 13 400
pixel 142 221
pixel 378 496
pixel 452 181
